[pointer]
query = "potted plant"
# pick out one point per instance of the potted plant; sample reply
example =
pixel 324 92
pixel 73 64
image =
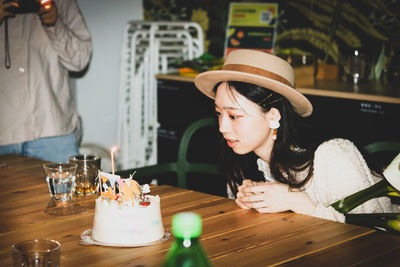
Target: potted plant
pixel 332 30
pixel 328 30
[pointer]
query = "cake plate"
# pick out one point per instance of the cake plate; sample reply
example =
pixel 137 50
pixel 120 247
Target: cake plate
pixel 86 239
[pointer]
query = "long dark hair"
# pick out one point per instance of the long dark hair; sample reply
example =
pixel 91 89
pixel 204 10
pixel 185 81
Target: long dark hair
pixel 292 152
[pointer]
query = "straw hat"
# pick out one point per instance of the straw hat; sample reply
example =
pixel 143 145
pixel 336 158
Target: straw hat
pixel 260 68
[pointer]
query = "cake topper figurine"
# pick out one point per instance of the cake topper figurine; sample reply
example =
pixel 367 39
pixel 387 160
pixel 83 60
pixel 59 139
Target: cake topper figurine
pixel 113 187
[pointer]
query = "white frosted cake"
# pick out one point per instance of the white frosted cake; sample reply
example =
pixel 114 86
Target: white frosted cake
pixel 126 215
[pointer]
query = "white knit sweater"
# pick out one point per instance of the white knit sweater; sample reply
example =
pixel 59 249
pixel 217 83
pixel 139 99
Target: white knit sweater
pixel 339 171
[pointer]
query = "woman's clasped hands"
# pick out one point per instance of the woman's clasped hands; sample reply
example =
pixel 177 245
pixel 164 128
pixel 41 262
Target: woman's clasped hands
pixel 271 197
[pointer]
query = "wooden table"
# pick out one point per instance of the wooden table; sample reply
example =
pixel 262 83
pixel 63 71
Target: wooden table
pixel 231 236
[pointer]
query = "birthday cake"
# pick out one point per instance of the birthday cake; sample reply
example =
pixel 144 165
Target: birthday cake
pixel 125 213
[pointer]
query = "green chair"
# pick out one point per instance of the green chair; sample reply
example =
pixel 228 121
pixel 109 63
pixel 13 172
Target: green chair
pixel 381 221
pixel 182 166
pixel 381 153
pixel 382 146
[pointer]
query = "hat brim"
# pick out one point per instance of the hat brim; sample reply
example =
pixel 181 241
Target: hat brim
pixel 206 82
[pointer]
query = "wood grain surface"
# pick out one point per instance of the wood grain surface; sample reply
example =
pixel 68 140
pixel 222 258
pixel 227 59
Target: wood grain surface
pixel 231 236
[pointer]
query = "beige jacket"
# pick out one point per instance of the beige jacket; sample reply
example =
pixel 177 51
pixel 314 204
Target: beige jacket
pixel 35 96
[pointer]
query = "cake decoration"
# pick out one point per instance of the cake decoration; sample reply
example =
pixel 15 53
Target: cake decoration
pixel 123 190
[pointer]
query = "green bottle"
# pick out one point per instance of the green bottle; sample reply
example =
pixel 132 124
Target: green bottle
pixel 186 251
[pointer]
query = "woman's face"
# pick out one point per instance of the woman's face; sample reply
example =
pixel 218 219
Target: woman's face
pixel 242 123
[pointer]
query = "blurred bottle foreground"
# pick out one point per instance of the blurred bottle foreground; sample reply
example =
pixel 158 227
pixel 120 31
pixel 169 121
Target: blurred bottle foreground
pixel 186 250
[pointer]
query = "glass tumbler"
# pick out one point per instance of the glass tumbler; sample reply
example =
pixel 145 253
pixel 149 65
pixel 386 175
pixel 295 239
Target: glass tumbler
pixel 60 179
pixel 86 173
pixel 38 252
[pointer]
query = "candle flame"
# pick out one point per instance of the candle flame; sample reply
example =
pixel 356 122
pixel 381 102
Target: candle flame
pixel 114 149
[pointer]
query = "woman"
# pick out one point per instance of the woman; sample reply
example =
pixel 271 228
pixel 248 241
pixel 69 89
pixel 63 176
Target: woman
pixel 260 117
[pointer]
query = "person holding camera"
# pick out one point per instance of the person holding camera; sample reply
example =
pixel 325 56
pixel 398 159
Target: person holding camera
pixel 41 42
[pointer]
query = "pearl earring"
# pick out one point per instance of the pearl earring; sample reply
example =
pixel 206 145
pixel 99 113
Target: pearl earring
pixel 274 125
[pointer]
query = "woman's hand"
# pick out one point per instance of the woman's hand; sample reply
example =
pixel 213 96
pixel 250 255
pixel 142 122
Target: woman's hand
pixel 271 197
pixel 241 193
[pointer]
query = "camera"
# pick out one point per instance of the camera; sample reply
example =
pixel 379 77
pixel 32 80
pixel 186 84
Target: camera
pixel 25 6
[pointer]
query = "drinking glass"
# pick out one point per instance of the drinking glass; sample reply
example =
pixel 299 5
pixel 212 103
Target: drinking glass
pixel 86 173
pixel 60 179
pixel 38 252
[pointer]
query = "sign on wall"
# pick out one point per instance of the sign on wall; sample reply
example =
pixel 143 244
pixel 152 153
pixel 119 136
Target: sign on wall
pixel 251 25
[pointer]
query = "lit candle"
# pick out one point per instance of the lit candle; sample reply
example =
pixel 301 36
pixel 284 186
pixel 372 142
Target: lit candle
pixel 113 150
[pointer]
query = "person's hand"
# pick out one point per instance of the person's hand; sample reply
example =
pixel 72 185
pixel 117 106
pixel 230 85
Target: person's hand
pixel 271 197
pixel 48 14
pixel 241 193
pixel 4 6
